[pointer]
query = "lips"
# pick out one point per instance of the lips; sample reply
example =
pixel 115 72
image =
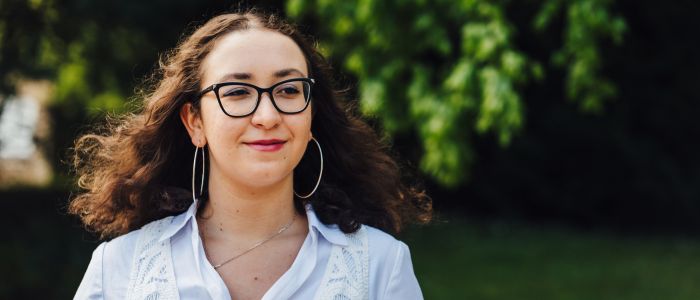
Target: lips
pixel 266 145
pixel 266 142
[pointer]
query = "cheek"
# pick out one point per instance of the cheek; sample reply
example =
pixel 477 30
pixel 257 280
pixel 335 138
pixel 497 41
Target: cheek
pixel 300 126
pixel 221 131
pixel 300 129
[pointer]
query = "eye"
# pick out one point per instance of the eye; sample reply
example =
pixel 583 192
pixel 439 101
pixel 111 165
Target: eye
pixel 236 92
pixel 287 91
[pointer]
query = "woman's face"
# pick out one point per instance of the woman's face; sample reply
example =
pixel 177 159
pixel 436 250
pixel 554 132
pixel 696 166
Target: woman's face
pixel 239 149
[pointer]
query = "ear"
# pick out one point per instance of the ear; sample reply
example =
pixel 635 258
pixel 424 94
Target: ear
pixel 193 123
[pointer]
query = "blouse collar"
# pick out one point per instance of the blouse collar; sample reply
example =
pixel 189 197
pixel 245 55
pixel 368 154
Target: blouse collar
pixel 330 232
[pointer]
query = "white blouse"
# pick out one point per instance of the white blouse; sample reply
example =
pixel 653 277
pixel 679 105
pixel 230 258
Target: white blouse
pixel 390 270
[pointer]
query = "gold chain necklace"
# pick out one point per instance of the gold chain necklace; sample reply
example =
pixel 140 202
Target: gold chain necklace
pixel 258 244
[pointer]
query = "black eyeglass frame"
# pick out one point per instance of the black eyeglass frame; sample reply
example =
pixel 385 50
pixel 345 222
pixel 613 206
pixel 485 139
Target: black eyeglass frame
pixel 215 87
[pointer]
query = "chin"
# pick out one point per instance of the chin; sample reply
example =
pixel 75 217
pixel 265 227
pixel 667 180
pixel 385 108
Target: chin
pixel 262 177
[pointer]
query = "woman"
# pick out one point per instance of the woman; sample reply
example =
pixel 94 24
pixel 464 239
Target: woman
pixel 288 196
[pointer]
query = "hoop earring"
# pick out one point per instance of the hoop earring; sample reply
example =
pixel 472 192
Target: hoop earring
pixel 194 169
pixel 319 175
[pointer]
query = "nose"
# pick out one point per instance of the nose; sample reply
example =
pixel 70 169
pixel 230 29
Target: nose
pixel 266 115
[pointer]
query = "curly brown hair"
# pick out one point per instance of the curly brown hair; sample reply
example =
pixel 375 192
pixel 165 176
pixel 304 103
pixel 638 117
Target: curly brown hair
pixel 137 169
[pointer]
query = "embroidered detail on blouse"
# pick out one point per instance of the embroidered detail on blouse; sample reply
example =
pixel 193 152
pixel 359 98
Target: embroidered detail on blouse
pixel 152 275
pixel 347 272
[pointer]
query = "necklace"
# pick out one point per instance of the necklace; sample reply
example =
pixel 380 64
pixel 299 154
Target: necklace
pixel 258 244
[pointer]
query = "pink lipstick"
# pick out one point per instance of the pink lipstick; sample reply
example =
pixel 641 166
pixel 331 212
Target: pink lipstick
pixel 266 145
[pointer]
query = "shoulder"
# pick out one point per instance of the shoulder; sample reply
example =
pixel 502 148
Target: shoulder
pixel 110 269
pixel 118 254
pixel 360 264
pixel 379 244
pixel 121 249
pixel 391 268
pixel 384 251
pixel 107 275
pixel 382 244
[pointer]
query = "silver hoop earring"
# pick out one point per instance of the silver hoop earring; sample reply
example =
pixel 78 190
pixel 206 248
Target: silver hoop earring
pixel 194 169
pixel 319 175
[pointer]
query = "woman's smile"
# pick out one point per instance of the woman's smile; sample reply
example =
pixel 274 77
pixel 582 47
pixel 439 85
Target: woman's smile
pixel 266 145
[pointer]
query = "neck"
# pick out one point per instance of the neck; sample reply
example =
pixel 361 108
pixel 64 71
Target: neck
pixel 246 213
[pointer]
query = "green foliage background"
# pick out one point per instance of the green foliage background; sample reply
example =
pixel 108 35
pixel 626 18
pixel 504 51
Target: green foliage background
pixel 520 108
pixel 449 69
pixel 442 70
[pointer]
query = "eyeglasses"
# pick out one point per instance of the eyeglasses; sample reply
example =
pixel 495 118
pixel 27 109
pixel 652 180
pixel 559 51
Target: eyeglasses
pixel 240 99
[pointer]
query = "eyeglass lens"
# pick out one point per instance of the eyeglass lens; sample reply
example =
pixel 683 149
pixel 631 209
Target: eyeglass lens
pixel 240 100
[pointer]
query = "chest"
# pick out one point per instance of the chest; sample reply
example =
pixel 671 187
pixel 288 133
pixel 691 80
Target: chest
pixel 153 276
pixel 251 275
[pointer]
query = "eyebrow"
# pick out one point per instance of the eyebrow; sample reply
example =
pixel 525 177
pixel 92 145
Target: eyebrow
pixel 247 76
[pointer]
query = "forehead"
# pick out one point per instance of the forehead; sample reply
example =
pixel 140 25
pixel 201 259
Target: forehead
pixel 259 52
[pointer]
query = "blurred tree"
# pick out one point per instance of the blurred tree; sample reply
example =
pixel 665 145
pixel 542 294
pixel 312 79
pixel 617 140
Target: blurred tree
pixel 442 70
pixel 447 69
pixel 95 52
pixel 91 50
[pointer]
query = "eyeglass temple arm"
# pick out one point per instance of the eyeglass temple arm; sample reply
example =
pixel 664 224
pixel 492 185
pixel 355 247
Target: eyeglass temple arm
pixel 207 90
